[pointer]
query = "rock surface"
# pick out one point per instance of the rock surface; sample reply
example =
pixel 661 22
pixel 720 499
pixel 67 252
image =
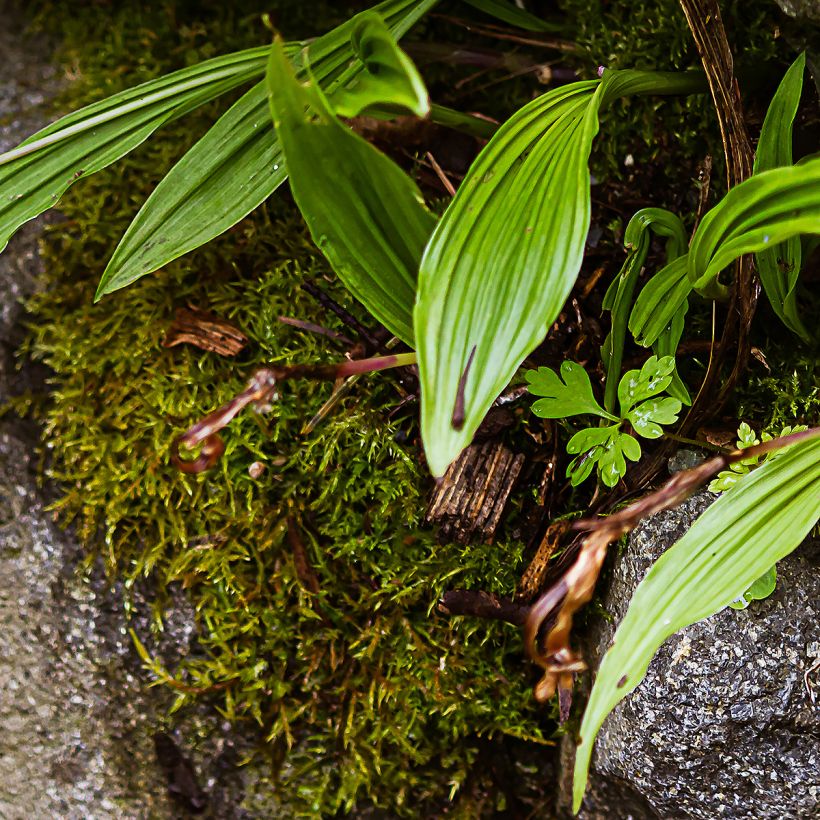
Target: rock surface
pixel 727 720
pixel 82 734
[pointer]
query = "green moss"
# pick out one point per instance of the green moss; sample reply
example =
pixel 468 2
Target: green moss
pixel 360 690
pixel 667 137
pixel 786 392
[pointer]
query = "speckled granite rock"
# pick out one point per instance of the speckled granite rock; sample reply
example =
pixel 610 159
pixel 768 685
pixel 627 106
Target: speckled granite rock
pixel 81 731
pixel 725 724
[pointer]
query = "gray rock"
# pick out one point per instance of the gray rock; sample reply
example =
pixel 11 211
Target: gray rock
pixel 725 723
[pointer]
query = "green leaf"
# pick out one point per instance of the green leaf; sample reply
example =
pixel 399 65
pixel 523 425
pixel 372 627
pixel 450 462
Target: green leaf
pixel 612 463
pixel 667 345
pixel 501 262
pixel 618 298
pixel 663 297
pixel 35 175
pixel 570 397
pixel 760 213
pixel 779 267
pixel 389 77
pixel 762 588
pixel 365 214
pixel 236 165
pixel 731 545
pixel 580 468
pixel 604 447
pixel 590 437
pixel 506 253
pixel 647 417
pixel 508 13
pixel 636 385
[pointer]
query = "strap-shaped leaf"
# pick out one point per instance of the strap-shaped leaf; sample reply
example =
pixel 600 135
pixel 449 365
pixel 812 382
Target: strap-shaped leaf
pixel 501 263
pixel 761 212
pixel 663 297
pixel 506 253
pixel 618 298
pixel 730 546
pixel 37 173
pixel 363 211
pixel 235 166
pixel 779 267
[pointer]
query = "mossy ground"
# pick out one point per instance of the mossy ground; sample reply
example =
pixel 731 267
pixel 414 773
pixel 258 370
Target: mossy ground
pixel 360 691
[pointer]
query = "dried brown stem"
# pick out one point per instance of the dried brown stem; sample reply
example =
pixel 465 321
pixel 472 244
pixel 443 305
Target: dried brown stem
pixel 554 655
pixel 706 25
pixel 481 604
pixel 260 392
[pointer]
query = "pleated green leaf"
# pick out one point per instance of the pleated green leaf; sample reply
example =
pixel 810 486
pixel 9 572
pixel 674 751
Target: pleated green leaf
pixel 729 547
pixel 501 263
pixel 389 79
pixel 619 296
pixel 760 213
pixel 237 164
pixel 506 253
pixel 35 175
pixel 365 214
pixel 779 267
pixel 661 299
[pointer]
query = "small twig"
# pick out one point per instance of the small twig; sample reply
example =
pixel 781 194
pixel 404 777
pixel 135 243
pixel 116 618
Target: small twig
pixel 346 317
pixel 500 33
pixel 260 392
pixel 576 587
pixel 312 328
pixel 457 419
pixel 480 604
pixel 448 186
pixel 705 445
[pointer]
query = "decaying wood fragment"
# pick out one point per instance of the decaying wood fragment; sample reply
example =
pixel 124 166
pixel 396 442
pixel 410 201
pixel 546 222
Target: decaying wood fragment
pixel 469 500
pixel 480 604
pixel 206 331
pixel 534 576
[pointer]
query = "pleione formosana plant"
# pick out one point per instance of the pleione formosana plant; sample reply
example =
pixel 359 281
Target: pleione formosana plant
pixel 472 292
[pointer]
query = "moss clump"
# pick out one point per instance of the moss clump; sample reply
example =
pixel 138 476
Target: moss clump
pixel 786 392
pixel 366 688
pixel 314 587
pixel 668 137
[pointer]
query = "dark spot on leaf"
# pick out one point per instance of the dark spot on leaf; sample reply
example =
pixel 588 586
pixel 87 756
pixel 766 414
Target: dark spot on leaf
pixel 458 409
pixel 622 682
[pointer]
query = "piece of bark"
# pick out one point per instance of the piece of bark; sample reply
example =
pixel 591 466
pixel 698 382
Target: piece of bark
pixel 480 604
pixel 535 575
pixel 470 499
pixel 205 331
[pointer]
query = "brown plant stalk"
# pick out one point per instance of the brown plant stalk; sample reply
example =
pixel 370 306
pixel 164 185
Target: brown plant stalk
pixel 553 653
